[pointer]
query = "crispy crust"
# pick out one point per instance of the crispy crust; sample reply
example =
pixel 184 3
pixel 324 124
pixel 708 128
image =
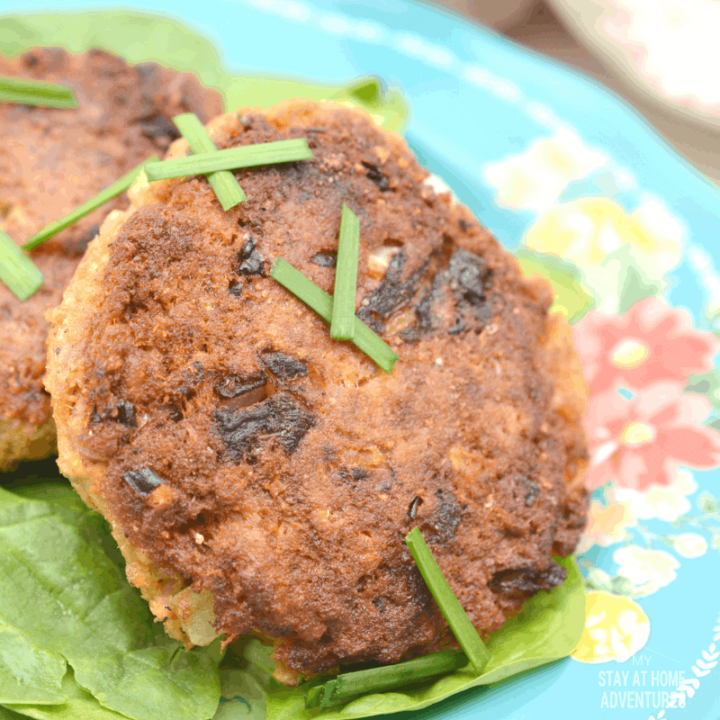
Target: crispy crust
pixel 476 437
pixel 53 161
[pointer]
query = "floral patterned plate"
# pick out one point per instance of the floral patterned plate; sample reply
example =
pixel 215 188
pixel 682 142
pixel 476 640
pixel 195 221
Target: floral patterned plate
pixel 572 180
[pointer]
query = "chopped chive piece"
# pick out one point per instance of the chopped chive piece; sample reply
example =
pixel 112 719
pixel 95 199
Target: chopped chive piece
pixel 269 153
pixel 349 685
pixel 466 635
pixel 30 92
pixel 322 303
pixel 118 187
pixel 226 187
pixel 17 270
pixel 343 317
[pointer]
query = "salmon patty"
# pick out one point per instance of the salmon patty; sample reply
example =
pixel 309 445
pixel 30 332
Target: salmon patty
pixel 52 161
pixel 260 476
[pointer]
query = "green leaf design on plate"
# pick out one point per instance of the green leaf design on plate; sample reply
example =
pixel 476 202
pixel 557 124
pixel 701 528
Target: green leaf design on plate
pixel 70 597
pixel 571 298
pixel 634 283
pixel 548 628
pixel 80 705
pixel 707 384
pixel 140 37
pixel 620 280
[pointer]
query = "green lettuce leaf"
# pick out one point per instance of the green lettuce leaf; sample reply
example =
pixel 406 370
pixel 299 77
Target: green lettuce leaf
pixel 548 628
pixel 243 693
pixel 140 37
pixel 6 714
pixel 28 673
pixel 68 595
pixel 79 705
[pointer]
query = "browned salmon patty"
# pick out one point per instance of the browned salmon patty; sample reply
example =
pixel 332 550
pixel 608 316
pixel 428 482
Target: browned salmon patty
pixel 260 476
pixel 51 161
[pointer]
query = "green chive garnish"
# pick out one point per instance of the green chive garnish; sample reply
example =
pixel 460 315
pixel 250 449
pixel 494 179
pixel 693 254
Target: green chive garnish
pixel 349 685
pixel 343 317
pixel 226 187
pixel 322 303
pixel 17 270
pixel 246 156
pixel 30 92
pixel 118 187
pixel 466 635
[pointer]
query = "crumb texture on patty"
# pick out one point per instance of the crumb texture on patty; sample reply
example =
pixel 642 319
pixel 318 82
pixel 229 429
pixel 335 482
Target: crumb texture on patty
pixel 52 161
pixel 241 452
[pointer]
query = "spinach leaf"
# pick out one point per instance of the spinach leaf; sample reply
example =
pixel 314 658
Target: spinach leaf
pixel 6 714
pixel 28 673
pixel 63 592
pixel 243 695
pixel 80 705
pixel 547 629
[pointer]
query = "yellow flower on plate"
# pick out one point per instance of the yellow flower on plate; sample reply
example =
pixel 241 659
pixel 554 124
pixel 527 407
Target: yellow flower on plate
pixel 588 230
pixel 615 629
pixel 535 178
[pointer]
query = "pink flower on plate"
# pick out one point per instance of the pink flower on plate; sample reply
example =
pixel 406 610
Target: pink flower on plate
pixel 643 440
pixel 652 342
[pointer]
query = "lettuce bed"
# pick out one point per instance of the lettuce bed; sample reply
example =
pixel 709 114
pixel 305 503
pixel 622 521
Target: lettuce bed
pixel 77 642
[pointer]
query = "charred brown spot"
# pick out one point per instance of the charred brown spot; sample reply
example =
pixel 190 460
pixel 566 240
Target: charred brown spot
pixel 375 175
pixel 532 490
pixel 392 293
pixel 126 413
pixel 279 417
pixel 414 505
pixel 249 260
pixel 448 514
pixel 123 413
pixel 353 474
pixel 524 582
pixel 160 129
pixel 148 72
pixel 142 481
pixel 283 366
pixel 324 259
pixel 235 385
pixel 469 273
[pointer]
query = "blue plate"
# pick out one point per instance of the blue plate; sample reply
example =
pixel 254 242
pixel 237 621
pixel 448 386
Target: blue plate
pixel 569 177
